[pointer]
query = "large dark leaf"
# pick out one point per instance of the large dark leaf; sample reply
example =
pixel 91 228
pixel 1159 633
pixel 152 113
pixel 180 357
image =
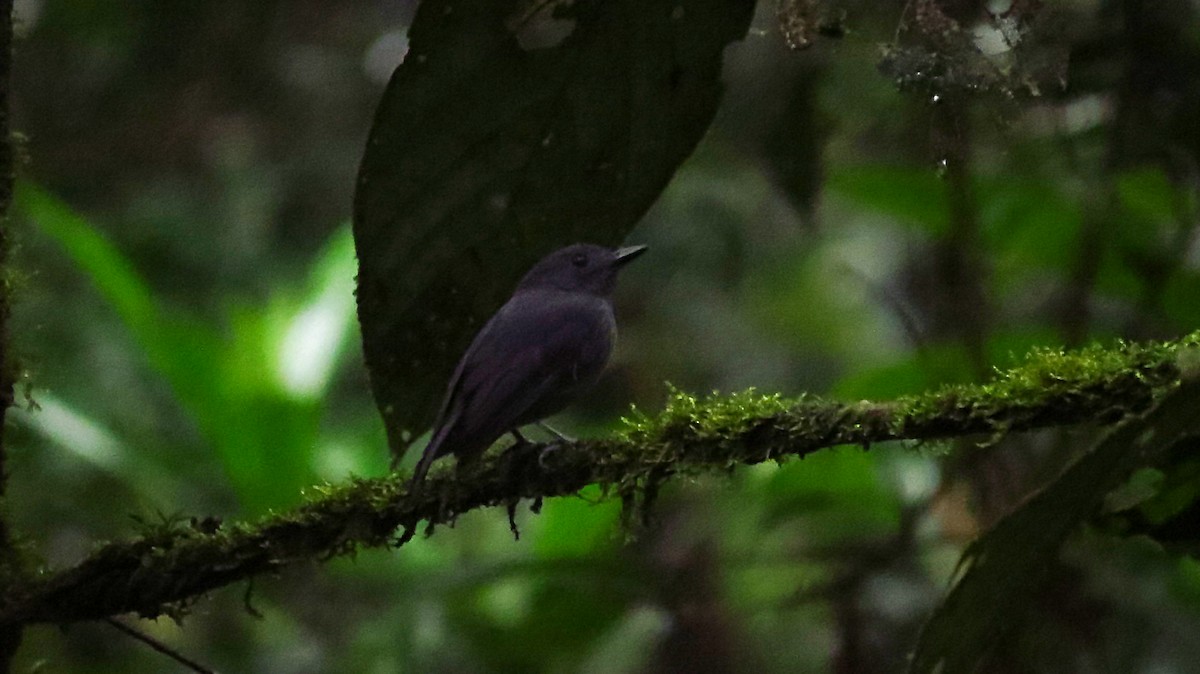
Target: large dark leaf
pixel 1003 570
pixel 487 153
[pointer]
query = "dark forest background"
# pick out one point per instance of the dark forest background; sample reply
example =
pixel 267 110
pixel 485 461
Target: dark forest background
pixel 862 221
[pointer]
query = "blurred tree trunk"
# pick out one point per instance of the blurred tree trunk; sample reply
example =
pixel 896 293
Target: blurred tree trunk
pixel 10 635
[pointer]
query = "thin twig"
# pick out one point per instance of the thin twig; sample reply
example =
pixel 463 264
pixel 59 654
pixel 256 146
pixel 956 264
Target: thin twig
pixel 160 647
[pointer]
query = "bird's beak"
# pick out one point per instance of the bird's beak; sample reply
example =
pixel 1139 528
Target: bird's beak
pixel 626 255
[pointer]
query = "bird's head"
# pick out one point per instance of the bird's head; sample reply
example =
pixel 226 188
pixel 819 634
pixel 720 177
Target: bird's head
pixel 581 267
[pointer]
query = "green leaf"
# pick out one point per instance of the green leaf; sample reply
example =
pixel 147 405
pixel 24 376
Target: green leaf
pixel 1002 572
pixel 313 334
pixel 487 153
pixel 841 485
pixel 906 376
pixel 1148 195
pixel 1179 298
pixel 577 527
pixel 263 435
pixel 1031 226
pixel 113 274
pixel 90 442
pixel 255 393
pixel 911 196
pixel 176 345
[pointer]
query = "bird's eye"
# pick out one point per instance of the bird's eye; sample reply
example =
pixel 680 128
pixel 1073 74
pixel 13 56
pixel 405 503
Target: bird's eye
pixel 579 260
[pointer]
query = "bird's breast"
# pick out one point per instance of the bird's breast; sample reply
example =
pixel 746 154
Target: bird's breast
pixel 589 335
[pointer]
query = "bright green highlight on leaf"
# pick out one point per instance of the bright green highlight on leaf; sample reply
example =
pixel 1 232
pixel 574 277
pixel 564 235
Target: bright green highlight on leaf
pixel 316 330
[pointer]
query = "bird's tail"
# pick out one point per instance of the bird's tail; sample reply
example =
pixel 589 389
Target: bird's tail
pixel 422 467
pixel 432 451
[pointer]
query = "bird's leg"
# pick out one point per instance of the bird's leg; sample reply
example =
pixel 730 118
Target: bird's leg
pixel 551 430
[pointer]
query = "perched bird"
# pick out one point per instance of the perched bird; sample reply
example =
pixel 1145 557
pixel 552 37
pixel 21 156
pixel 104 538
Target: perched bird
pixel 547 344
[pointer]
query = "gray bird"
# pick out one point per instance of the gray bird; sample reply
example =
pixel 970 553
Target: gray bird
pixel 546 345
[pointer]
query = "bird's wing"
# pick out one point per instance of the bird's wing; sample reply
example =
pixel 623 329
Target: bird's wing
pixel 528 352
pixel 537 348
pixel 531 354
pixel 451 409
pixel 446 417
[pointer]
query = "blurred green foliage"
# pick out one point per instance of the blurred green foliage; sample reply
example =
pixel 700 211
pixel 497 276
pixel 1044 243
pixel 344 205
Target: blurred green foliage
pixel 186 324
pixel 254 391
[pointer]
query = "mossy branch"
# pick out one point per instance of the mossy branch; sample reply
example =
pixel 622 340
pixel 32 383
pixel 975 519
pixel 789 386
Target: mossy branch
pixel 157 573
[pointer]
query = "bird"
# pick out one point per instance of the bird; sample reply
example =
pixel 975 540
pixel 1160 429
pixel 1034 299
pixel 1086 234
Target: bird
pixel 546 345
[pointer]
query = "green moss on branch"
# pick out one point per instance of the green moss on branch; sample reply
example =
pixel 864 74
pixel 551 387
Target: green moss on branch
pixel 153 574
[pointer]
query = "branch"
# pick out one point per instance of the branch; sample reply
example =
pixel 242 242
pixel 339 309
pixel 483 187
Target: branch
pixel 152 574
